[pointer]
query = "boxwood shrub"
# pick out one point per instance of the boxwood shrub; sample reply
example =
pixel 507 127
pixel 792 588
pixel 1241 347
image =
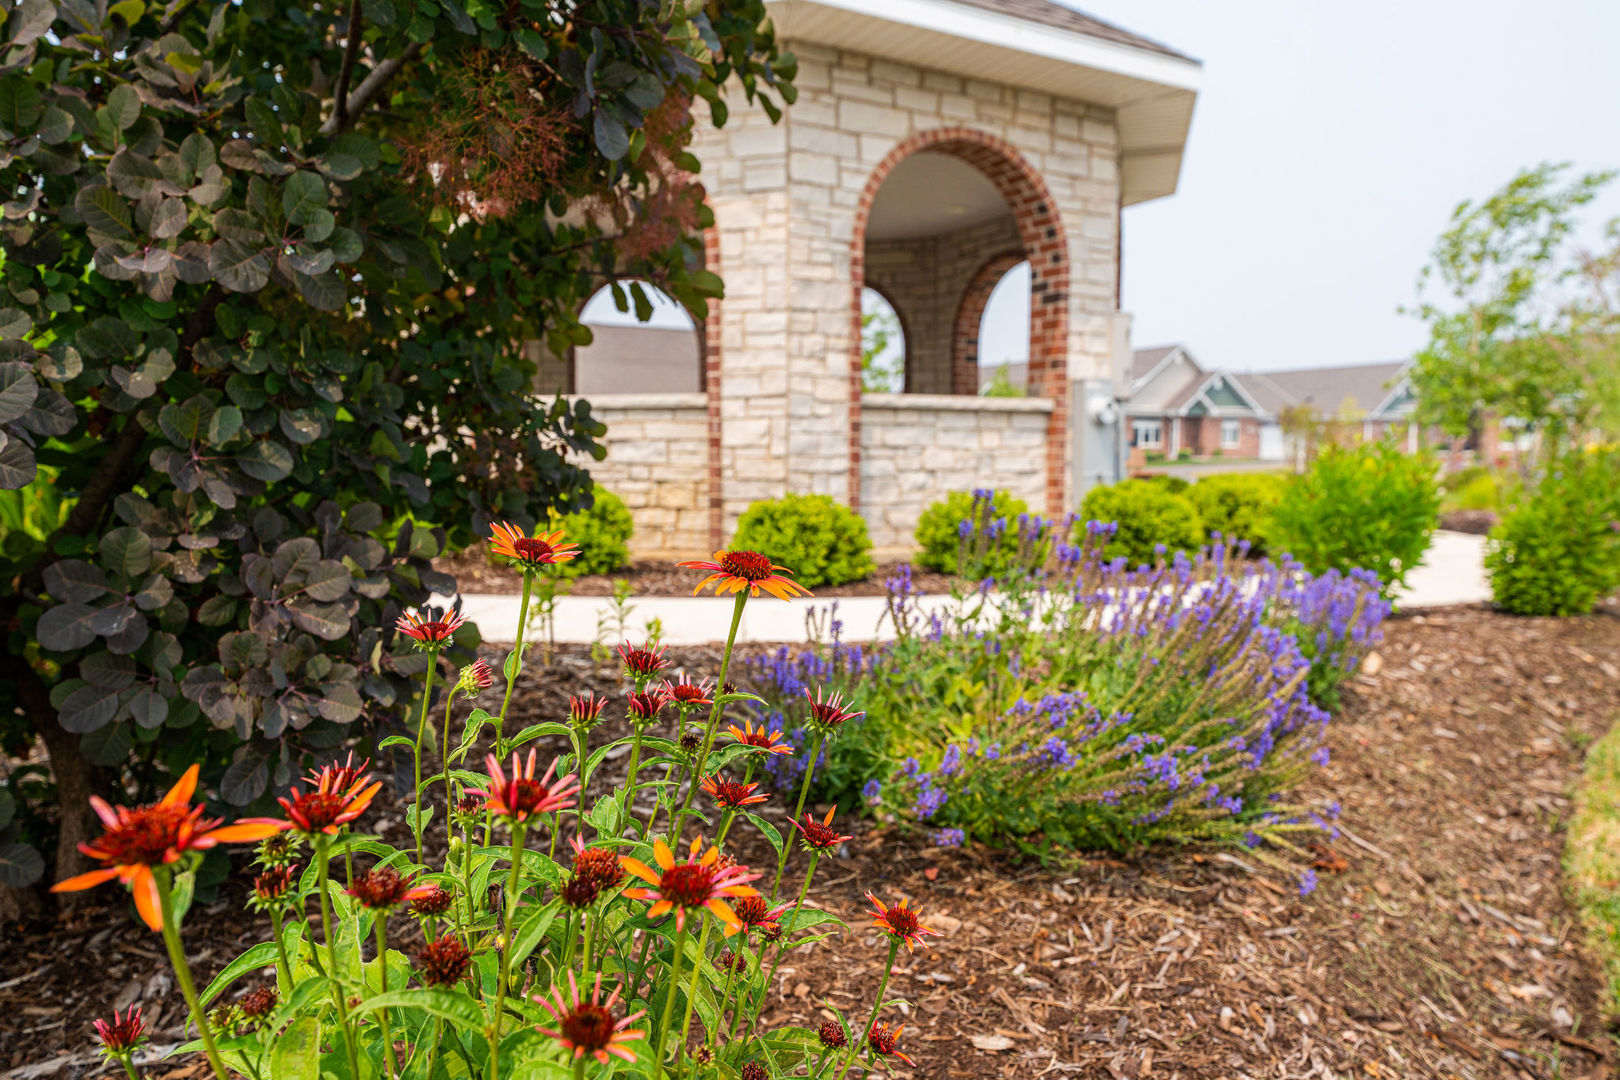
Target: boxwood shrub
pixel 1238 505
pixel 940 530
pixel 602 531
pixel 1559 552
pixel 1149 514
pixel 822 541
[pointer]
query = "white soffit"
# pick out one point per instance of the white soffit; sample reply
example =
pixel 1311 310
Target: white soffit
pixel 1151 92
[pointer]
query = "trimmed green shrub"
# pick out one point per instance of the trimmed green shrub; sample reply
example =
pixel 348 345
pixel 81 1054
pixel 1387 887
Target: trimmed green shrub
pixel 1238 505
pixel 1148 514
pixel 1175 485
pixel 1559 552
pixel 940 530
pixel 1371 507
pixel 822 541
pixel 603 533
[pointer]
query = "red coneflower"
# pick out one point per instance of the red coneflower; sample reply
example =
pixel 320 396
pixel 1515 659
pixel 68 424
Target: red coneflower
pixel 585 710
pixel 754 1071
pixel 476 676
pixel 687 694
pixel 270 888
pixel 642 708
pixel 122 1035
pixel 735 961
pixel 523 797
pixel 755 911
pixel 341 794
pixel 641 665
pixel 257 1002
pixel 769 741
pixel 579 892
pixel 443 962
pixel 533 553
pixel 827 714
pixel 383 889
pixel 597 864
pixel 900 922
pixel 697 882
pixel 137 840
pixel 819 835
pixel 732 794
pixel 885 1043
pixel 587 1026
pixel 832 1035
pixel 430 634
pixel 435 901
pixel 734 571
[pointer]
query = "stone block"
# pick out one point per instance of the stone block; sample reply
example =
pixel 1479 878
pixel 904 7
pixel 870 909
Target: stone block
pixel 869 119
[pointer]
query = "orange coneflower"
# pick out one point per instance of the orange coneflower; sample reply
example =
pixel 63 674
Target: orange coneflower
pixel 732 794
pixel 522 797
pixel 383 889
pixel 136 841
pixel 340 795
pixel 530 552
pixel 695 883
pixel 885 1043
pixel 586 1026
pixel 769 741
pixel 900 922
pixel 687 694
pixel 430 634
pixel 734 571
pixel 819 835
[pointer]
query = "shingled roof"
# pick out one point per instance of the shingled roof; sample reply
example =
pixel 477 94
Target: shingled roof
pixel 1051 13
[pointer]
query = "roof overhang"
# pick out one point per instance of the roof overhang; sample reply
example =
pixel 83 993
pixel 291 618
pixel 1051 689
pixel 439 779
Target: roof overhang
pixel 1151 92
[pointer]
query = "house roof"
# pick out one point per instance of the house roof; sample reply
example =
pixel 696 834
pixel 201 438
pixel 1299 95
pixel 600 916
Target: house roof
pixel 1051 13
pixel 1143 361
pixel 1355 388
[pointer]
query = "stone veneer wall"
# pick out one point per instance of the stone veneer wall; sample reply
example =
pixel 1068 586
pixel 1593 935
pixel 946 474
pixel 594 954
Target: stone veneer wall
pixel 658 463
pixel 917 447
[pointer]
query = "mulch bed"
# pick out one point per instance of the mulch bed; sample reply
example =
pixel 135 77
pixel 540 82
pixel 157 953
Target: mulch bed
pixel 475 574
pixel 1438 943
pixel 1476 522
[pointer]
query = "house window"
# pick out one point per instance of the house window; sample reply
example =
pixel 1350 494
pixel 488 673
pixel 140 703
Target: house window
pixel 1231 432
pixel 1147 433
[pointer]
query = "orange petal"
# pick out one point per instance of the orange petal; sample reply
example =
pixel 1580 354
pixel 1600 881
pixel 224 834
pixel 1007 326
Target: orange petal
pixel 86 881
pixel 183 789
pixel 664 857
pixel 640 869
pixel 244 831
pixel 144 886
pixel 659 909
pixel 723 912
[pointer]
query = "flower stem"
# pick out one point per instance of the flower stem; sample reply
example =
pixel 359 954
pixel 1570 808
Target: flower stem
pixel 628 803
pixel 444 774
pixel 714 713
pixel 798 811
pixel 515 661
pixel 509 909
pixel 129 1066
pixel 182 972
pixel 691 990
pixel 416 752
pixel 382 985
pixel 877 1005
pixel 322 858
pixel 804 890
pixel 669 1000
pixel 283 967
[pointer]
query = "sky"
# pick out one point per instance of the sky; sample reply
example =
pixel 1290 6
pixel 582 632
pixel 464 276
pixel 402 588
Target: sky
pixel 1329 146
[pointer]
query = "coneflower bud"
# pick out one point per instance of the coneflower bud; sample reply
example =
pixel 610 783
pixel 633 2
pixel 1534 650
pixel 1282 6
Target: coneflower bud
pixel 585 711
pixel 122 1034
pixel 832 1035
pixel 476 676
pixel 258 1002
pixel 443 962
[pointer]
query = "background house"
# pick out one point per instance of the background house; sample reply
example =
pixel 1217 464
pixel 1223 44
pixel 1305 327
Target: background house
pixel 1358 402
pixel 1172 403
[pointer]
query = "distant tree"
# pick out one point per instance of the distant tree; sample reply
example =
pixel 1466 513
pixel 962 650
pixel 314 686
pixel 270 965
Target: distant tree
pixel 1520 323
pixel 880 331
pixel 1001 384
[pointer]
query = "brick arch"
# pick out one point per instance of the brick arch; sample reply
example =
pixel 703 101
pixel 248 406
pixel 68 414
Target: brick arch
pixel 905 333
pixel 969 314
pixel 1045 245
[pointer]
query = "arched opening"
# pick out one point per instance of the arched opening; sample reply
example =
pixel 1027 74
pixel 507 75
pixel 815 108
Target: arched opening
pixel 642 342
pixel 992 329
pixel 883 345
pixel 943 219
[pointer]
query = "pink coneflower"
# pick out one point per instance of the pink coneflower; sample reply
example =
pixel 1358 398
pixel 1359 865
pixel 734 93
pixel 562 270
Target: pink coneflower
pixel 885 1043
pixel 532 553
pixel 819 835
pixel 587 1026
pixel 122 1035
pixel 443 962
pixel 643 664
pixel 522 797
pixel 734 571
pixel 137 840
pixel 900 922
pixel 687 694
pixel 732 794
pixel 695 883
pixel 430 634
pixel 383 889
pixel 827 714
pixel 585 710
pixel 643 707
pixel 749 735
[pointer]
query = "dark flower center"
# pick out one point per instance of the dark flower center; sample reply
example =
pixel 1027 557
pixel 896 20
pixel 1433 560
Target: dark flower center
pixel 831 1035
pixel 818 835
pixel 600 866
pixel 436 631
pixel 689 694
pixel 258 1002
pixel 589 1027
pixel 748 565
pixel 436 902
pixel 903 922
pixel 533 550
pixel 580 891
pixel 443 962
pixel 146 836
pixel 273 883
pixel 320 808
pixel 525 796
pixel 687 884
pixel 380 888
pixel 751 910
pixel 731 792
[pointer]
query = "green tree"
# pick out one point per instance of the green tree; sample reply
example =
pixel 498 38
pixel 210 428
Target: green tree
pixel 880 332
pixel 269 269
pixel 1507 335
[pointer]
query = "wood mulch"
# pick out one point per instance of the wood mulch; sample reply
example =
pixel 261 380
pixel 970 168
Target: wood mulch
pixel 474 573
pixel 1438 943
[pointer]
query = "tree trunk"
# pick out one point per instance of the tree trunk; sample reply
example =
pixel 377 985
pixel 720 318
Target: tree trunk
pixel 74 783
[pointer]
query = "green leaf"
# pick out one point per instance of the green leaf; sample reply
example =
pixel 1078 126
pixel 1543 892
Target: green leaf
pixel 532 930
pixel 296 1053
pixel 262 955
pixel 18 391
pixel 611 137
pixel 768 830
pixel 534 731
pixel 20 104
pixel 456 1008
pixel 124 106
pixel 104 212
pixel 126 552
pixel 301 195
pixel 532 44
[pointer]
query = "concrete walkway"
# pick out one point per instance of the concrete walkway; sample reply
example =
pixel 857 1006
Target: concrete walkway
pixel 1453 572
